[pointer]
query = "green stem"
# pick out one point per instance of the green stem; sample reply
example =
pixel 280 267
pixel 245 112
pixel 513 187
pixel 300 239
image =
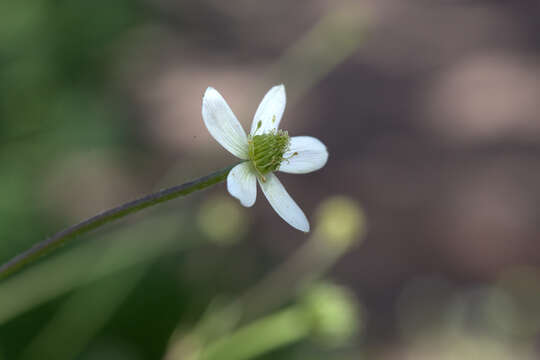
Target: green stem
pixel 269 333
pixel 110 215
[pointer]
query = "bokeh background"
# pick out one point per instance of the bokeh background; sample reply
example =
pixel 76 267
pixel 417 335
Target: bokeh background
pixel 425 241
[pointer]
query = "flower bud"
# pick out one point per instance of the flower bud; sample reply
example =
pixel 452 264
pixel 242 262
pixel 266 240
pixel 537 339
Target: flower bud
pixel 222 220
pixel 341 221
pixel 333 312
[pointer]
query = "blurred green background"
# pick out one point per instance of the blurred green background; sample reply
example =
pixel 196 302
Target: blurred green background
pixel 425 219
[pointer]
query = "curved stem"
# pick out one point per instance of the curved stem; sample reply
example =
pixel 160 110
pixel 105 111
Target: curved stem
pixel 269 333
pixel 110 215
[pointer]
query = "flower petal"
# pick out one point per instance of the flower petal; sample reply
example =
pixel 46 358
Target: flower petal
pixel 242 185
pixel 223 125
pixel 305 154
pixel 282 203
pixel 270 111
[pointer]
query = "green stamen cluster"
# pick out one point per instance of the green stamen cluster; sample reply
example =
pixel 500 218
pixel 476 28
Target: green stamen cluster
pixel 266 151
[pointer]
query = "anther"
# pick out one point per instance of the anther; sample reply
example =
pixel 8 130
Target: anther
pixel 266 151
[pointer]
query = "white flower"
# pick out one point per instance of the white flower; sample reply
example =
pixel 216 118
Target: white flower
pixel 265 150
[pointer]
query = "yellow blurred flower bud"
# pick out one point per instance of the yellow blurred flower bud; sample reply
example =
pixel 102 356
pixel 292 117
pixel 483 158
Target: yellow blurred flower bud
pixel 222 220
pixel 334 313
pixel 340 221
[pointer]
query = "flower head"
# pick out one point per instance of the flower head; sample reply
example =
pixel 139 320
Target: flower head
pixel 266 150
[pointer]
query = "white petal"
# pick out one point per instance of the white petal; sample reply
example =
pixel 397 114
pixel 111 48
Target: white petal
pixel 223 125
pixel 270 111
pixel 242 185
pixel 305 154
pixel 282 203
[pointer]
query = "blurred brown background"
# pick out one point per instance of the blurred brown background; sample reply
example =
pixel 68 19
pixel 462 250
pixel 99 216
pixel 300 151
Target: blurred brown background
pixel 429 109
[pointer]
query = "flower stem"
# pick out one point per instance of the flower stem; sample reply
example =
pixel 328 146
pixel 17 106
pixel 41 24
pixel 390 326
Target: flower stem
pixel 274 331
pixel 110 215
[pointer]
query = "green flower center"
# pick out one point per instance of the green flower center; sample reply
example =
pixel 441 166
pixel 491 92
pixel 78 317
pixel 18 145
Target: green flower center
pixel 266 151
